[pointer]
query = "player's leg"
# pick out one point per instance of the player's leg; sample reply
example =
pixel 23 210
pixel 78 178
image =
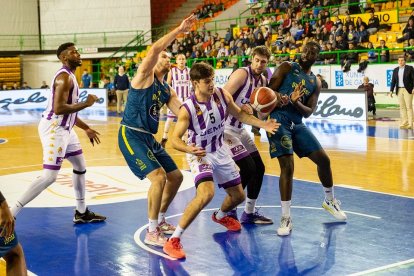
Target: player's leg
pixel 125 98
pixel 118 101
pixel 15 262
pixel 168 122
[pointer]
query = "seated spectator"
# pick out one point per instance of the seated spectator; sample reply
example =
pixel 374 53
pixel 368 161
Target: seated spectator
pixel 373 24
pixel 352 35
pixel 349 22
pixel 385 53
pixel 409 53
pixel 294 29
pixel 329 57
pixel 289 41
pixel 4 87
pixel 44 85
pixel 372 54
pixel 408 32
pixel 15 86
pixel 351 56
pixel 25 86
pixel 359 22
pixel 321 58
pixel 363 35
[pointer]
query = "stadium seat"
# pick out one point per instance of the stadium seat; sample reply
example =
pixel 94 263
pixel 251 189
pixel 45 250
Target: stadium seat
pixel 373 38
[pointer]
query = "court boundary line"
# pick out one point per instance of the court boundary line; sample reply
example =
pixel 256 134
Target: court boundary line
pixel 382 268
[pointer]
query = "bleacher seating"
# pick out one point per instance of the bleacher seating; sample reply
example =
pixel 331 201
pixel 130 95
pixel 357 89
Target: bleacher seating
pixel 10 70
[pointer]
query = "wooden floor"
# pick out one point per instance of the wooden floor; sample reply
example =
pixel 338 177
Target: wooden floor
pixel 385 163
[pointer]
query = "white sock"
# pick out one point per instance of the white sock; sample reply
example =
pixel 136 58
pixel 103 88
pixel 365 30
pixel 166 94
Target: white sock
pixel 152 225
pixel 286 208
pixel 178 232
pixel 220 214
pixel 37 186
pixel 167 127
pixel 161 217
pixel 250 204
pixel 78 163
pixel 329 193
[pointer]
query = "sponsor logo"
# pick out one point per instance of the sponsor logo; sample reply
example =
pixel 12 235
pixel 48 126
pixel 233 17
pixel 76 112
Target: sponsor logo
pixel 59 160
pixel 330 108
pixel 286 142
pixel 140 164
pixel 272 148
pixel 339 78
pixel 237 149
pixel 205 168
pixel 154 112
pixel 151 156
pixel 389 77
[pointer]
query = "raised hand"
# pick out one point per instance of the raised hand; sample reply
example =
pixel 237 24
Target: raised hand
pixel 271 126
pixel 197 151
pixel 6 221
pixel 93 136
pixel 297 93
pixel 91 99
pixel 187 24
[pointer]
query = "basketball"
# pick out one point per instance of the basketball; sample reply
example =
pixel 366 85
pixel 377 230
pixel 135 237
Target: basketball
pixel 263 99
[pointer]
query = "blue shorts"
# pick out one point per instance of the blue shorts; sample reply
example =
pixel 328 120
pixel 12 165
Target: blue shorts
pixel 143 153
pixel 6 244
pixel 291 138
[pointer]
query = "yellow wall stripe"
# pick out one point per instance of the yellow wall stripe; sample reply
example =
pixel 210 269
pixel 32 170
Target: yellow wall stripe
pixel 126 141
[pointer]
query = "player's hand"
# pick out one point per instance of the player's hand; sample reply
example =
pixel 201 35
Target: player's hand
pixel 91 99
pixel 271 126
pixel 93 136
pixel 197 151
pixel 6 221
pixel 187 24
pixel 247 108
pixel 297 93
pixel 282 100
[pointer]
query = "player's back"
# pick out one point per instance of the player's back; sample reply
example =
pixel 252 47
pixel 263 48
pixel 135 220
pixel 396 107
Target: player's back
pixel 142 110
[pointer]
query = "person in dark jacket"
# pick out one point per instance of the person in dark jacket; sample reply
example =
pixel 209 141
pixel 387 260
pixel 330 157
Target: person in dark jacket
pixel 121 84
pixel 369 89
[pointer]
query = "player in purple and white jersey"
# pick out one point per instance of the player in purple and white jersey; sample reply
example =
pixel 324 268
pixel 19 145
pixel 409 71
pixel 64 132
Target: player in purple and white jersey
pixel 204 114
pixel 179 79
pixel 59 139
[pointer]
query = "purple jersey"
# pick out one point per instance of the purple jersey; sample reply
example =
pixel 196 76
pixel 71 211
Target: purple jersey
pixel 207 120
pixel 66 121
pixel 242 95
pixel 180 82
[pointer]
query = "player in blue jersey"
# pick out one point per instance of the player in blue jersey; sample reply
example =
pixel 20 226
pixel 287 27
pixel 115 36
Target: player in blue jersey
pixel 144 155
pixel 10 248
pixel 296 81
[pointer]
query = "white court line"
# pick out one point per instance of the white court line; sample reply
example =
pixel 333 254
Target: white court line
pixel 145 247
pixel 381 268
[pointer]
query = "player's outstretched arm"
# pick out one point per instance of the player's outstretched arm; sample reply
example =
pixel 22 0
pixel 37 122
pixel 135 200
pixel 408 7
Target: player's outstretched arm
pixel 145 72
pixel 63 85
pixel 270 126
pixel 183 122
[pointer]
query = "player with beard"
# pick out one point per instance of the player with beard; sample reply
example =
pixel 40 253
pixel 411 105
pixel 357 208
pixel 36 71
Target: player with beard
pixel 303 88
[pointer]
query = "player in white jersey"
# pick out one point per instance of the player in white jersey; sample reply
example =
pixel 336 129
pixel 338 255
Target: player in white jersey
pixel 59 139
pixel 204 115
pixel 244 152
pixel 179 79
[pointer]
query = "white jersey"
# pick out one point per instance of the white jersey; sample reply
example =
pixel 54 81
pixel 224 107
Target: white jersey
pixel 66 121
pixel 207 120
pixel 180 81
pixel 242 95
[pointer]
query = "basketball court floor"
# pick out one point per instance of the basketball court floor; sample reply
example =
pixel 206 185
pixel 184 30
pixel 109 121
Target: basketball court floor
pixel 373 169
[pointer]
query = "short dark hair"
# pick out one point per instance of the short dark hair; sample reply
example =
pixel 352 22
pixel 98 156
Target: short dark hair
pixel 261 50
pixel 314 45
pixel 402 56
pixel 201 71
pixel 64 47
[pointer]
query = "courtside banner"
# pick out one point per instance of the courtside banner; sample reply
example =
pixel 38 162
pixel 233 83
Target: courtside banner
pixel 37 98
pixel 386 17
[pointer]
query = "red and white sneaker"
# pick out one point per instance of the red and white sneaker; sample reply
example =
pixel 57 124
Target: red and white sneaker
pixel 155 238
pixel 230 223
pixel 174 248
pixel 166 228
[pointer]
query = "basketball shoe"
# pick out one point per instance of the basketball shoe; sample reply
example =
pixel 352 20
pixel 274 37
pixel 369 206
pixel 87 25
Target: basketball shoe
pixel 155 237
pixel 233 214
pixel 230 223
pixel 174 248
pixel 254 218
pixel 333 207
pixel 166 228
pixel 87 217
pixel 285 226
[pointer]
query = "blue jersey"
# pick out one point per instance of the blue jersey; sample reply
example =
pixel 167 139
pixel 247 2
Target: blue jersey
pixel 143 106
pixel 291 80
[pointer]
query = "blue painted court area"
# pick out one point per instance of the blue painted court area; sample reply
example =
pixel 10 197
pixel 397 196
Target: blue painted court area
pixel 379 233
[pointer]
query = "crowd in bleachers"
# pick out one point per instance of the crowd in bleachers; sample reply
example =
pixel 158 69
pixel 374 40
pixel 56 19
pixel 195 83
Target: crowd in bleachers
pixel 284 26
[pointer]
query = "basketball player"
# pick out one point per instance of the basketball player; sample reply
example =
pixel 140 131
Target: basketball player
pixel 204 116
pixel 179 79
pixel 10 248
pixel 58 137
pixel 143 154
pixel 297 81
pixel 242 148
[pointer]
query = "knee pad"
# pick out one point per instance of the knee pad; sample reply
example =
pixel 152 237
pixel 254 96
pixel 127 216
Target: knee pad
pixel 79 172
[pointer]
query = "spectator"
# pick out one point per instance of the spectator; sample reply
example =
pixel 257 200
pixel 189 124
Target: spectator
pixel 373 24
pixel 329 57
pixel 409 53
pixel 44 85
pixel 86 81
pixel 369 89
pixel 323 81
pixel 372 54
pixel 352 35
pixel 25 86
pixel 15 86
pixel 385 53
pixel 109 90
pixel 362 34
pixel 121 85
pixel 359 22
pixel 4 87
pixel 408 31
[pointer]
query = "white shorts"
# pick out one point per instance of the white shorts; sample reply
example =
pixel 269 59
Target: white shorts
pixel 239 142
pixel 58 144
pixel 217 165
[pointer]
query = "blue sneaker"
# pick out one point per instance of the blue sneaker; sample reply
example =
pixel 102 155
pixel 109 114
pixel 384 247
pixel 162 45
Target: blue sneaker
pixel 233 214
pixel 255 218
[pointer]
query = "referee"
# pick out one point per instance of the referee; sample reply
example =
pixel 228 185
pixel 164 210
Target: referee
pixel 403 83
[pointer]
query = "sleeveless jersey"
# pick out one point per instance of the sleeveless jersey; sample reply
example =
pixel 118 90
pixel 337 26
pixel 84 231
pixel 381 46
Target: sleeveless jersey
pixel 292 79
pixel 207 120
pixel 242 95
pixel 143 106
pixel 66 121
pixel 180 81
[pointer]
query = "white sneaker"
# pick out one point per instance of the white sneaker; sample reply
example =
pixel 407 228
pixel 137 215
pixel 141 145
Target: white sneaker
pixel 333 207
pixel 285 226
